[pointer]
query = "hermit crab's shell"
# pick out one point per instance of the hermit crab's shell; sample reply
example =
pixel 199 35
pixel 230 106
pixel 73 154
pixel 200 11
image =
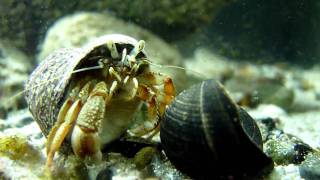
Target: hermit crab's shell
pixel 45 90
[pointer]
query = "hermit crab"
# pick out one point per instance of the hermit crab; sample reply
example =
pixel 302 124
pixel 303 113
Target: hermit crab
pixel 84 98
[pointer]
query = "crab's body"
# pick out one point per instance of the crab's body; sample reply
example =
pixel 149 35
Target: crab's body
pixel 118 119
pixel 84 98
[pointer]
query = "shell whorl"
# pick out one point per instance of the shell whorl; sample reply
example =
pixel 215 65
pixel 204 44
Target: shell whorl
pixel 205 134
pixel 194 109
pixel 46 85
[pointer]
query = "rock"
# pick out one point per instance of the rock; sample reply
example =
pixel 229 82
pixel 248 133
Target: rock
pixel 144 157
pixel 163 168
pixel 266 125
pixel 249 84
pixel 18 152
pixel 285 149
pixel 267 111
pixel 310 168
pixel 25 23
pixel 304 125
pixel 205 64
pixel 17 147
pixel 105 174
pixel 21 22
pixel 171 19
pixel 285 173
pixel 78 29
pixel 15 66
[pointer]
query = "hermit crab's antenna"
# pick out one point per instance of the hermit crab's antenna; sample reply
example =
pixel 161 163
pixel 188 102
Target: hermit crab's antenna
pixel 175 67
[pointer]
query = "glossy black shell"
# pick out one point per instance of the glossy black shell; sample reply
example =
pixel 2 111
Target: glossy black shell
pixel 205 134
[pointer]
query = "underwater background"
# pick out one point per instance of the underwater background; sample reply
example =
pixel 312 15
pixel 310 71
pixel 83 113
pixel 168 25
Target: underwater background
pixel 265 53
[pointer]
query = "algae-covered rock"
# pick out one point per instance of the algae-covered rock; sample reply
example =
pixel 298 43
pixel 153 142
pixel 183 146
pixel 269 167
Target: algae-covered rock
pixel 144 157
pixel 285 149
pixel 170 18
pixel 20 22
pixel 16 153
pixel 17 147
pixel 24 22
pixel 78 29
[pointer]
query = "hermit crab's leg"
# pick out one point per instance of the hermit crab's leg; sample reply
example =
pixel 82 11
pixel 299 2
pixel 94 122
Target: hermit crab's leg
pixel 115 74
pixel 62 131
pixel 85 139
pixel 131 85
pixel 165 96
pixel 64 109
pixel 113 88
pixel 155 109
pixel 65 120
pixel 164 100
pixel 147 95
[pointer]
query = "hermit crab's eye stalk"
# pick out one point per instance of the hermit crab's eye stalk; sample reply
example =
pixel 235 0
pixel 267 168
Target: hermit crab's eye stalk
pixel 113 49
pixel 141 45
pixel 124 56
pixel 137 48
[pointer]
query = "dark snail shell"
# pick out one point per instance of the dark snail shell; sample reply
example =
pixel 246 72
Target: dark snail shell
pixel 205 134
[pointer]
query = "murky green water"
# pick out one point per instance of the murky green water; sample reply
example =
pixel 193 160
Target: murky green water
pixel 264 53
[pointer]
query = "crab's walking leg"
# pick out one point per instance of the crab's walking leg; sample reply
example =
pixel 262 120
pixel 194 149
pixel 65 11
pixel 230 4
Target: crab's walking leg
pixel 167 96
pixel 64 109
pixel 149 97
pixel 59 132
pixel 164 100
pixel 156 101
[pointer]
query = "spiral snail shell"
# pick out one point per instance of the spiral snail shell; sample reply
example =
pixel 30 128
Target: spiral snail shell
pixel 205 134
